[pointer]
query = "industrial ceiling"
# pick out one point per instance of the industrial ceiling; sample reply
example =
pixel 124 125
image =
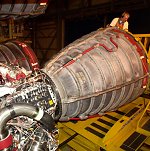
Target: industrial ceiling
pixel 82 8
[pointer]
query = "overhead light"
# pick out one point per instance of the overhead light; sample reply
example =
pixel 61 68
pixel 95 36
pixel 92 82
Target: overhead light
pixel 43 2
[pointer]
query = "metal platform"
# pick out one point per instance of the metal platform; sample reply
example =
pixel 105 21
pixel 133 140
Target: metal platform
pixel 119 130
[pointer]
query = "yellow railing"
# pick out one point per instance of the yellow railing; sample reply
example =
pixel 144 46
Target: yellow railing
pixel 145 40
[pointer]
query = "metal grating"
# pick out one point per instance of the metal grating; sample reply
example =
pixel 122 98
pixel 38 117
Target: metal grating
pixel 133 142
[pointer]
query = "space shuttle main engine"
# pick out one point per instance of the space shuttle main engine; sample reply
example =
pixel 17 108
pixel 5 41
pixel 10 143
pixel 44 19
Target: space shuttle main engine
pixel 98 73
pixel 95 74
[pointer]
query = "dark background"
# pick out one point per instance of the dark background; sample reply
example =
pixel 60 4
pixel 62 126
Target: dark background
pixel 139 23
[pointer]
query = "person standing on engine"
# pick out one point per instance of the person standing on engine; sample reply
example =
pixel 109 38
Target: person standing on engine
pixel 122 22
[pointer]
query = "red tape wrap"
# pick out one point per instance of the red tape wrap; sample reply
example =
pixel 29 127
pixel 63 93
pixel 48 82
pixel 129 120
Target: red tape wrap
pixel 5 143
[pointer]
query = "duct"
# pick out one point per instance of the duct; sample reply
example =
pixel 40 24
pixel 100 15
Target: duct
pixel 21 109
pixel 98 73
pixel 22 9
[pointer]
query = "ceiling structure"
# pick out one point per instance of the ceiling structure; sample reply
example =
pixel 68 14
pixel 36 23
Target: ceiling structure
pixel 70 9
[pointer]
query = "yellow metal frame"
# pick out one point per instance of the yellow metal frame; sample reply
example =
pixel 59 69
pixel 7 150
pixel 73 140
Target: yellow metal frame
pixel 142 120
pixel 144 39
pixel 81 139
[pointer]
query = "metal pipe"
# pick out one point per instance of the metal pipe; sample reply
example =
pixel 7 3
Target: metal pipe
pixel 20 109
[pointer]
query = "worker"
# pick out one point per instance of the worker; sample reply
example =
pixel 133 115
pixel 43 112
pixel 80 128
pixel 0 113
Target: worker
pixel 122 22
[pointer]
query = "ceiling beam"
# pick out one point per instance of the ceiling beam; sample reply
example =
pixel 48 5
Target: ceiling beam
pixel 113 6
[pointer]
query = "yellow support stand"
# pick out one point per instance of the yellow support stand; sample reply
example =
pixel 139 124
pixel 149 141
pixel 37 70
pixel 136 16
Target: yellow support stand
pixel 144 38
pixel 143 124
pixel 114 131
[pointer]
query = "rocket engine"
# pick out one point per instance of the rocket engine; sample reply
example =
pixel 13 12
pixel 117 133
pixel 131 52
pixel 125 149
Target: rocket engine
pixel 98 73
pixel 95 74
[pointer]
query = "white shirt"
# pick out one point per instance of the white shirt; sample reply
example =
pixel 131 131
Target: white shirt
pixel 115 20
